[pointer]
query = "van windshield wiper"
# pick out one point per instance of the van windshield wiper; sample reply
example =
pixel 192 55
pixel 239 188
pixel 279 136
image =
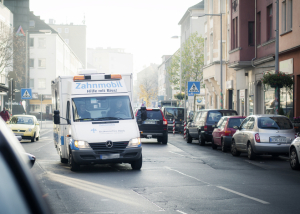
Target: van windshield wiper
pixel 109 118
pixel 82 119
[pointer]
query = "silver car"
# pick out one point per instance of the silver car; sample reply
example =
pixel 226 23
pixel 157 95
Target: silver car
pixel 263 134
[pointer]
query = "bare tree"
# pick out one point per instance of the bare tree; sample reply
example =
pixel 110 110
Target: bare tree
pixel 6 49
pixel 148 86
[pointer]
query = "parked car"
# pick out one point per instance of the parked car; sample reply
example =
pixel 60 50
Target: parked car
pixel 20 190
pixel 223 131
pixel 201 126
pixel 26 126
pixel 295 153
pixel 152 124
pixel 263 134
pixel 176 113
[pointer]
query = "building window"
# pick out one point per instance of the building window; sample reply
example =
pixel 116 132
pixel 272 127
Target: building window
pixel 211 6
pixel 269 22
pixel 258 20
pixel 66 30
pixel 287 15
pixel 42 83
pixel 31 23
pixel 59 30
pixel 31 83
pixel 235 33
pixel 211 48
pixel 31 63
pixel 42 43
pixel 31 42
pixel 250 33
pixel 42 63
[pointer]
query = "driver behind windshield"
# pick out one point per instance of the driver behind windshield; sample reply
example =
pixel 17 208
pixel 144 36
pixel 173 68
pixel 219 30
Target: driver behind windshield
pixel 82 112
pixel 118 109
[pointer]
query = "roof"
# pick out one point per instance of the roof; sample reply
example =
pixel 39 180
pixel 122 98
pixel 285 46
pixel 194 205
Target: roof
pixel 199 6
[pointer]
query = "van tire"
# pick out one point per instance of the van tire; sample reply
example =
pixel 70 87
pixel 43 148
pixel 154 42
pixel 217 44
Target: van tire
pixel 137 165
pixel 33 138
pixel 73 165
pixel 63 160
pixel 165 139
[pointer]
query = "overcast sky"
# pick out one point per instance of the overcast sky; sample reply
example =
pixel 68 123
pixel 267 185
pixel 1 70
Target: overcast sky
pixel 142 27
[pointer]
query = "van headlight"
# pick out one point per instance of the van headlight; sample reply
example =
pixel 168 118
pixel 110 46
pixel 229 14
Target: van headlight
pixel 135 142
pixel 81 144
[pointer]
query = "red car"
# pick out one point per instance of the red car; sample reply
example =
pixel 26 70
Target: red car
pixel 224 130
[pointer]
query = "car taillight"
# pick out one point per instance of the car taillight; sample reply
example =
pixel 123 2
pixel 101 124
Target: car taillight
pixel 257 138
pixel 205 128
pixel 136 113
pixel 227 132
pixel 165 122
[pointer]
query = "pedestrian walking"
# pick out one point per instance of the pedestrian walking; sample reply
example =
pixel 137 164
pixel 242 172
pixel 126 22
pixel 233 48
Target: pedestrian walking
pixel 5 115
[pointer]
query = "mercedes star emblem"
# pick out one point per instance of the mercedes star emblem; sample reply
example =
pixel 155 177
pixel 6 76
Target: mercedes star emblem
pixel 109 144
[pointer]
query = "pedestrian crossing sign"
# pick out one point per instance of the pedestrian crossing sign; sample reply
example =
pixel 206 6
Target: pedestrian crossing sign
pixel 26 93
pixel 193 88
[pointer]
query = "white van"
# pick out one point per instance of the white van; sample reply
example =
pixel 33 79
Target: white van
pixel 94 121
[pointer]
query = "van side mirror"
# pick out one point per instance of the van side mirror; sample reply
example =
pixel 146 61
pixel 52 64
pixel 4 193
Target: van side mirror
pixel 143 113
pixel 56 117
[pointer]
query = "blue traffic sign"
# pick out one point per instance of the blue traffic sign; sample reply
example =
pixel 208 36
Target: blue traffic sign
pixel 193 88
pixel 26 93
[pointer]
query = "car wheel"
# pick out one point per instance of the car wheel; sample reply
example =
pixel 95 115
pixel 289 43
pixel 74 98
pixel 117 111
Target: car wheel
pixel 63 160
pixel 201 140
pixel 137 165
pixel 189 139
pixel 33 138
pixel 251 154
pixel 234 150
pixel 275 155
pixel 38 138
pixel 73 165
pixel 224 149
pixel 213 145
pixel 165 139
pixel 294 161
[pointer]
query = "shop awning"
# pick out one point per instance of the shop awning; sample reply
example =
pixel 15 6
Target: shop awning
pixel 3 88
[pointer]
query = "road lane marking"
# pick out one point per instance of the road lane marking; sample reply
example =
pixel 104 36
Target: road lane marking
pixel 243 195
pixel 181 212
pixel 177 154
pixel 186 175
pixel 220 187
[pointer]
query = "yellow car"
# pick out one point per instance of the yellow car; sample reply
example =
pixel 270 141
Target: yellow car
pixel 26 126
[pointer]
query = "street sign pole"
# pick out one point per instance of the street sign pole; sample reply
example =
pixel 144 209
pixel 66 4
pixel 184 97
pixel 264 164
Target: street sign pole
pixel 11 86
pixel 41 111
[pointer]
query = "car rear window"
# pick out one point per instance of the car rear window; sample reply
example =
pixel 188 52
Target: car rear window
pixel 229 113
pixel 213 117
pixel 235 122
pixel 274 123
pixel 152 115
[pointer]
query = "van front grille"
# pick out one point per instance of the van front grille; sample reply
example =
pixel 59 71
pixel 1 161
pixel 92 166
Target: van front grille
pixel 103 146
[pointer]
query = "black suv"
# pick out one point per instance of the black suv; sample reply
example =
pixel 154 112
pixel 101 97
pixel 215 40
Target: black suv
pixel 201 126
pixel 152 124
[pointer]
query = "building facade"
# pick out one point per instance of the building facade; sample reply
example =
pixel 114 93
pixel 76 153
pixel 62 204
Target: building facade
pixel 6 25
pixel 164 85
pixel 110 60
pixel 289 54
pixel 75 37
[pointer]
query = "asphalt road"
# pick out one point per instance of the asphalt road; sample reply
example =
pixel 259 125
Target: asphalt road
pixel 175 178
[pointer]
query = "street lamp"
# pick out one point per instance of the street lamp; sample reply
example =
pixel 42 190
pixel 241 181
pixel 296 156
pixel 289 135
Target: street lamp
pixel 221 57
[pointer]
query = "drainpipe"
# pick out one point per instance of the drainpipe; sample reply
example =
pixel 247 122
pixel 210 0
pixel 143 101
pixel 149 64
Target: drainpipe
pixel 255 47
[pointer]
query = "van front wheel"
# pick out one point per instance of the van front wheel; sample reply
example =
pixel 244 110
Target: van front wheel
pixel 137 165
pixel 73 165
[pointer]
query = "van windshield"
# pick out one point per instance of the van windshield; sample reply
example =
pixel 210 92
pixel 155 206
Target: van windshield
pixel 171 113
pixel 101 108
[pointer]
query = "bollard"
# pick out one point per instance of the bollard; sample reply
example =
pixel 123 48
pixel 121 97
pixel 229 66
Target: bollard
pixel 173 126
pixel 184 130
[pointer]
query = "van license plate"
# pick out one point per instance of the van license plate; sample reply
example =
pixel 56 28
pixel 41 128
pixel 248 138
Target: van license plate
pixel 109 156
pixel 277 140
